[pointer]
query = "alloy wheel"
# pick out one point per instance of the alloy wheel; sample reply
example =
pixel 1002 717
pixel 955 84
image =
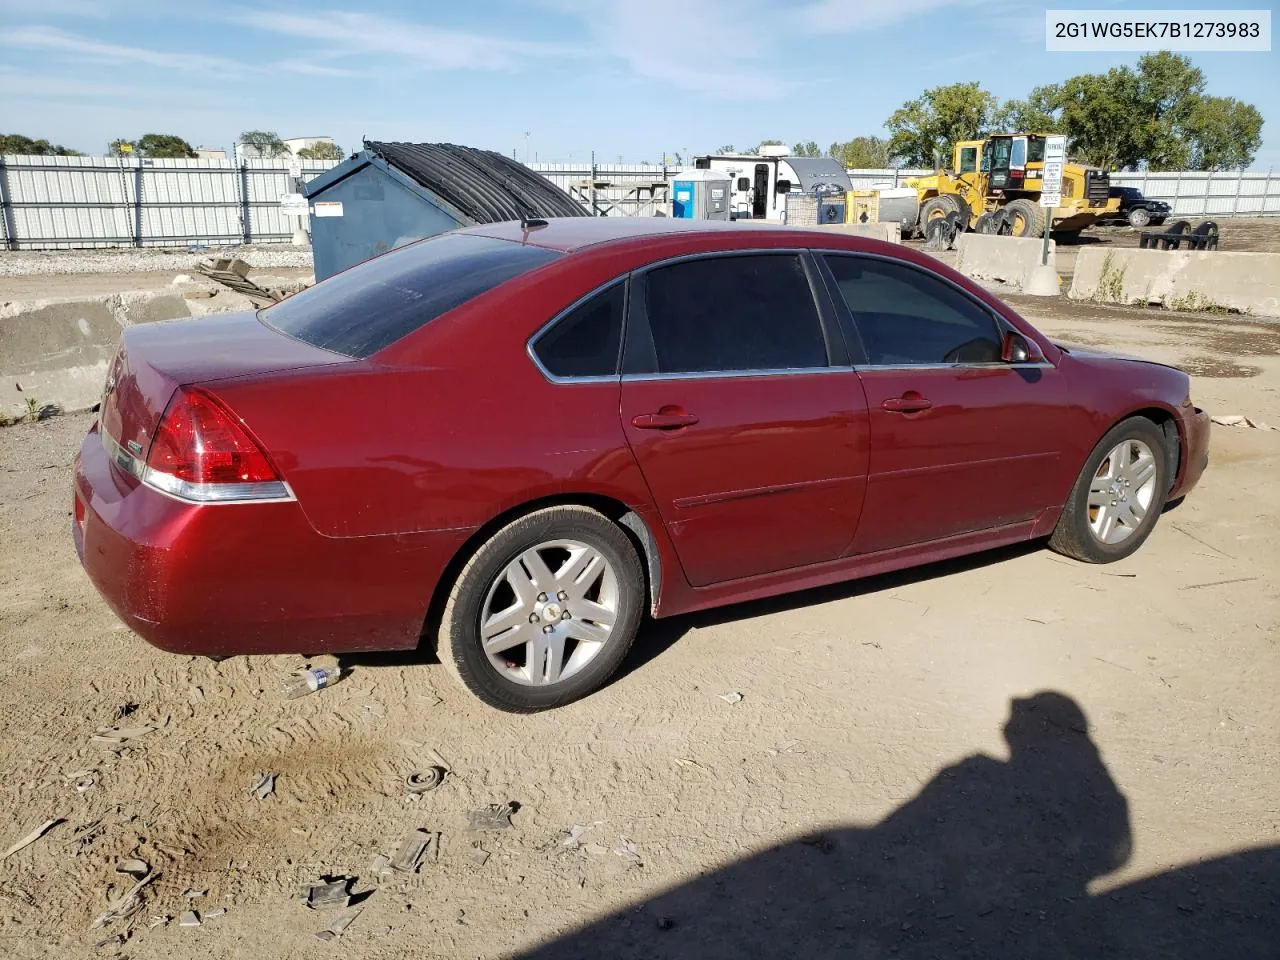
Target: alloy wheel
pixel 549 612
pixel 1122 491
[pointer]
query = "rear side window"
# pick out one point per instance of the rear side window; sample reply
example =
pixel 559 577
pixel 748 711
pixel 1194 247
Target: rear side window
pixel 908 317
pixel 375 303
pixel 719 314
pixel 585 341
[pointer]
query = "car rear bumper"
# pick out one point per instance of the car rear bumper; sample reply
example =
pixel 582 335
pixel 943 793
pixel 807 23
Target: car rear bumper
pixel 1195 447
pixel 246 578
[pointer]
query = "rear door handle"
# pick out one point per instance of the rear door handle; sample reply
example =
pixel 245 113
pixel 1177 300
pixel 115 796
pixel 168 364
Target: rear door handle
pixel 663 421
pixel 910 402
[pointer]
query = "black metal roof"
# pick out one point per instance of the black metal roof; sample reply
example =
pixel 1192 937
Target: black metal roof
pixel 482 184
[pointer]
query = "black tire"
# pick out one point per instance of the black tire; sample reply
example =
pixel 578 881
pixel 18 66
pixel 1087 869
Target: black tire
pixel 988 224
pixel 459 641
pixel 1139 217
pixel 935 208
pixel 1073 535
pixel 1026 218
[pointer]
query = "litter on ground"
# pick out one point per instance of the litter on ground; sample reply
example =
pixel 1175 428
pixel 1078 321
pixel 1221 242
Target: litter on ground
pixel 31 837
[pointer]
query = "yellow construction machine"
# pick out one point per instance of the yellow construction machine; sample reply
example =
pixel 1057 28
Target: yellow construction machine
pixel 994 186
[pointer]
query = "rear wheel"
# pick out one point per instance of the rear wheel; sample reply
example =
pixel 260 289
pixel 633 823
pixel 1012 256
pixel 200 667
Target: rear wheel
pixel 1026 218
pixel 544 611
pixel 1118 495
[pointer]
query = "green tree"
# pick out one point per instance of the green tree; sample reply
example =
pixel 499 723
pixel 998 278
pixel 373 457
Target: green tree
pixel 726 150
pixel 1038 112
pixel 806 148
pixel 120 148
pixel 266 143
pixel 1157 116
pixel 17 144
pixel 928 126
pixel 324 150
pixel 164 146
pixel 1225 133
pixel 861 153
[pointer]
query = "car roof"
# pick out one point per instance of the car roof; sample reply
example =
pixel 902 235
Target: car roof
pixel 567 234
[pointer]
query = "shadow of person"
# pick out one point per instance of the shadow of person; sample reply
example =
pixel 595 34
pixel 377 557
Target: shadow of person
pixel 991 859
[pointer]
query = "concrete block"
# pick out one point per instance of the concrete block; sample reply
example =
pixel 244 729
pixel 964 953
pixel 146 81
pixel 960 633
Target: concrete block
pixel 1006 259
pixel 888 232
pixel 1180 279
pixel 56 352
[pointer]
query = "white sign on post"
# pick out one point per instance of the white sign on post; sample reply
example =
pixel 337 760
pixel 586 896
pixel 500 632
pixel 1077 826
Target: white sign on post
pixel 1055 155
pixel 295 167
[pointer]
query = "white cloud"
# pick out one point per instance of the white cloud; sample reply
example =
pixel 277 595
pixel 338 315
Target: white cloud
pixel 47 38
pixel 919 18
pixel 714 47
pixel 422 45
pixel 85 48
pixel 312 69
pixel 96 9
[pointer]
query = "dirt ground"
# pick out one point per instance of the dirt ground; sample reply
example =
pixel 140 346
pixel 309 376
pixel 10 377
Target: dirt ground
pixel 865 785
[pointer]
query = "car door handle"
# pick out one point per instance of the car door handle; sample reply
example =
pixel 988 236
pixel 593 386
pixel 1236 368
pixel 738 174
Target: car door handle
pixel 910 402
pixel 663 420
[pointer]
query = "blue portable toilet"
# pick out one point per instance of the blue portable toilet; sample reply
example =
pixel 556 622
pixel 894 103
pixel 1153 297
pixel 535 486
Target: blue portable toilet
pixel 390 194
pixel 700 195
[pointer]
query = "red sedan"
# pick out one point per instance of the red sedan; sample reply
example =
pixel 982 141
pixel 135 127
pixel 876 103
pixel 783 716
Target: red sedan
pixel 522 437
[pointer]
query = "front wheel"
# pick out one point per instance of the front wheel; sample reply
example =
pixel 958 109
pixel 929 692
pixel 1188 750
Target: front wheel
pixel 1117 497
pixel 544 611
pixel 1138 217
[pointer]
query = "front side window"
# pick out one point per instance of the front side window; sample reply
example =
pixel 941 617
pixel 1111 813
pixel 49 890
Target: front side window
pixel 585 341
pixel 375 303
pixel 907 317
pixel 718 314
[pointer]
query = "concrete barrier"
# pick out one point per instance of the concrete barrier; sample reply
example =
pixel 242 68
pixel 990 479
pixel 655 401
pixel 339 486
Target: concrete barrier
pixel 1010 260
pixel 54 353
pixel 1180 279
pixel 889 232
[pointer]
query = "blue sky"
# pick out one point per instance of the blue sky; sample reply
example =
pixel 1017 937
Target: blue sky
pixel 626 78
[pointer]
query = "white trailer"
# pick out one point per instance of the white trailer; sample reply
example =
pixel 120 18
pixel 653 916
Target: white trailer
pixel 759 184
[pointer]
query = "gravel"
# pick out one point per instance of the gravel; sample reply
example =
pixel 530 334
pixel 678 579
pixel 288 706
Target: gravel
pixel 54 262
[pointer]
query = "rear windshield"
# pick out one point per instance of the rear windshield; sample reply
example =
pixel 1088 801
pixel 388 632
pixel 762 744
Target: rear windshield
pixel 375 303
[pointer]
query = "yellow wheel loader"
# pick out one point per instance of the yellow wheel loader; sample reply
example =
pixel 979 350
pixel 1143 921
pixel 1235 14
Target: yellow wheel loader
pixel 994 186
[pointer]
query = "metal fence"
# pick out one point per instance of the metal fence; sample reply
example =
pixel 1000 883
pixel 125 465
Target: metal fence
pixel 1191 193
pixel 64 202
pixel 613 189
pixel 59 202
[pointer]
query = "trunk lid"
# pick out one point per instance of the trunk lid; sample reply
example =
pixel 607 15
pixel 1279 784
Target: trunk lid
pixel 157 358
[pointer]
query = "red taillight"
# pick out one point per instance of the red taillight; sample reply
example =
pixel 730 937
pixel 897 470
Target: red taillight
pixel 199 441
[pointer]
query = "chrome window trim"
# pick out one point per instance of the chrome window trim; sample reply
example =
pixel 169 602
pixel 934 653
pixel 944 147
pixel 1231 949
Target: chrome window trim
pixel 730 374
pixel 533 339
pixel 274 491
pixel 994 365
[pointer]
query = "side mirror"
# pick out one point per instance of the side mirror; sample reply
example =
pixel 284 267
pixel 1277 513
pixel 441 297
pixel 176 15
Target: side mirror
pixel 1015 348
